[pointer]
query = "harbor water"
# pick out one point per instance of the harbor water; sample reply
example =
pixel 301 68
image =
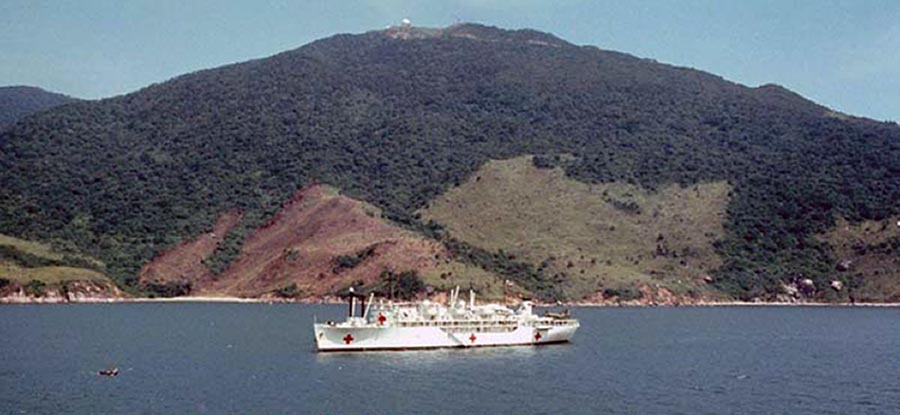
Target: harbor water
pixel 259 358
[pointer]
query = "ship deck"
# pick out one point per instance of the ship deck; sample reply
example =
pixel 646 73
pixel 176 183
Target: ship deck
pixel 468 323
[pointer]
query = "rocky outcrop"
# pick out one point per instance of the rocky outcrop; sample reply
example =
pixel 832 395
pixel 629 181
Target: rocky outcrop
pixel 66 292
pixel 653 295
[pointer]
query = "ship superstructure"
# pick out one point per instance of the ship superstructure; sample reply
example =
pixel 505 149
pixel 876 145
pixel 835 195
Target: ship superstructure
pixel 387 325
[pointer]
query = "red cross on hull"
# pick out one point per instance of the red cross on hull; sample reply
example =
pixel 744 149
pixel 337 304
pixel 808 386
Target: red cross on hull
pixel 537 336
pixel 472 338
pixel 348 338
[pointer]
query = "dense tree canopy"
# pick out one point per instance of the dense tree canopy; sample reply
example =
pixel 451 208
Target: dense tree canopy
pixel 17 102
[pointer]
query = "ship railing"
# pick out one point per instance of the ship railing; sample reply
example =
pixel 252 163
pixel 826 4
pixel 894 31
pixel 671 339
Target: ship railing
pixel 455 323
pixel 477 325
pixel 556 322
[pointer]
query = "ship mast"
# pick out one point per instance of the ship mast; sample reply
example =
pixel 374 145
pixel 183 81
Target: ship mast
pixel 368 305
pixel 352 302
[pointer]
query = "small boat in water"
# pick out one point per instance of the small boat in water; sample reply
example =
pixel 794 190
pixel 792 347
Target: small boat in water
pixel 109 372
pixel 428 325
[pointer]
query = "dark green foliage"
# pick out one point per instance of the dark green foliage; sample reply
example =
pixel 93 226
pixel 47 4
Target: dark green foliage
pixel 289 291
pixel 343 262
pixel 888 247
pixel 35 288
pixel 623 294
pixel 346 261
pixel 405 285
pixel 631 207
pixel 397 122
pixel 387 285
pixel 230 247
pixel 24 259
pixel 523 273
pixel 4 282
pixel 543 162
pixel 17 102
pixel 547 161
pixel 168 289
pixel 409 285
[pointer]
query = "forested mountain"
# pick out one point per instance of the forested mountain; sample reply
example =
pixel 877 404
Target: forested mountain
pixel 398 117
pixel 19 101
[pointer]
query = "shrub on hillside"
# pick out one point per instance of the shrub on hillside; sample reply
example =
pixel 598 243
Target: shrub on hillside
pixel 409 284
pixel 623 294
pixel 168 289
pixel 289 291
pixel 35 288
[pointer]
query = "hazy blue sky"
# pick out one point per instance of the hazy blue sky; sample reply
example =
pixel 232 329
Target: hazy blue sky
pixel 844 54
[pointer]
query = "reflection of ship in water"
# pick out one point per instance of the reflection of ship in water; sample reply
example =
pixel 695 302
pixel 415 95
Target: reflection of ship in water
pixel 425 325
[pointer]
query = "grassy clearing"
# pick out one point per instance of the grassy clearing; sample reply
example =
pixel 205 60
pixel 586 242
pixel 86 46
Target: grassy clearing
pixel 29 247
pixel 42 250
pixel 589 236
pixel 51 274
pixel 871 257
pixel 48 275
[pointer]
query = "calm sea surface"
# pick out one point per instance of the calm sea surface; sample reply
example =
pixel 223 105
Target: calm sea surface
pixel 257 358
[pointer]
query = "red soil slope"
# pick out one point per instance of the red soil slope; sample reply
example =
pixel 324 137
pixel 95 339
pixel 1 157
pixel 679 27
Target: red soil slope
pixel 301 243
pixel 184 263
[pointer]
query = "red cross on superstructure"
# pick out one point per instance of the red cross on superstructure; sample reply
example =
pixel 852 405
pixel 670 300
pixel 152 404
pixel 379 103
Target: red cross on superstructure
pixel 537 336
pixel 348 338
pixel 381 318
pixel 472 338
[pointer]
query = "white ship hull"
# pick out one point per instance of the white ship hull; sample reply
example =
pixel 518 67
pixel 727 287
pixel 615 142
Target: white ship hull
pixel 368 337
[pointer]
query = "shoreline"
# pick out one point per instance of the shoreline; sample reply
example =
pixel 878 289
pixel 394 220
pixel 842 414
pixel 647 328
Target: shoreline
pixel 184 299
pixel 726 304
pixel 334 300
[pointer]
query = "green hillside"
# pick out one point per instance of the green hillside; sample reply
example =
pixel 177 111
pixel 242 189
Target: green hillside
pixel 398 117
pixel 28 262
pixel 868 253
pixel 605 237
pixel 17 102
